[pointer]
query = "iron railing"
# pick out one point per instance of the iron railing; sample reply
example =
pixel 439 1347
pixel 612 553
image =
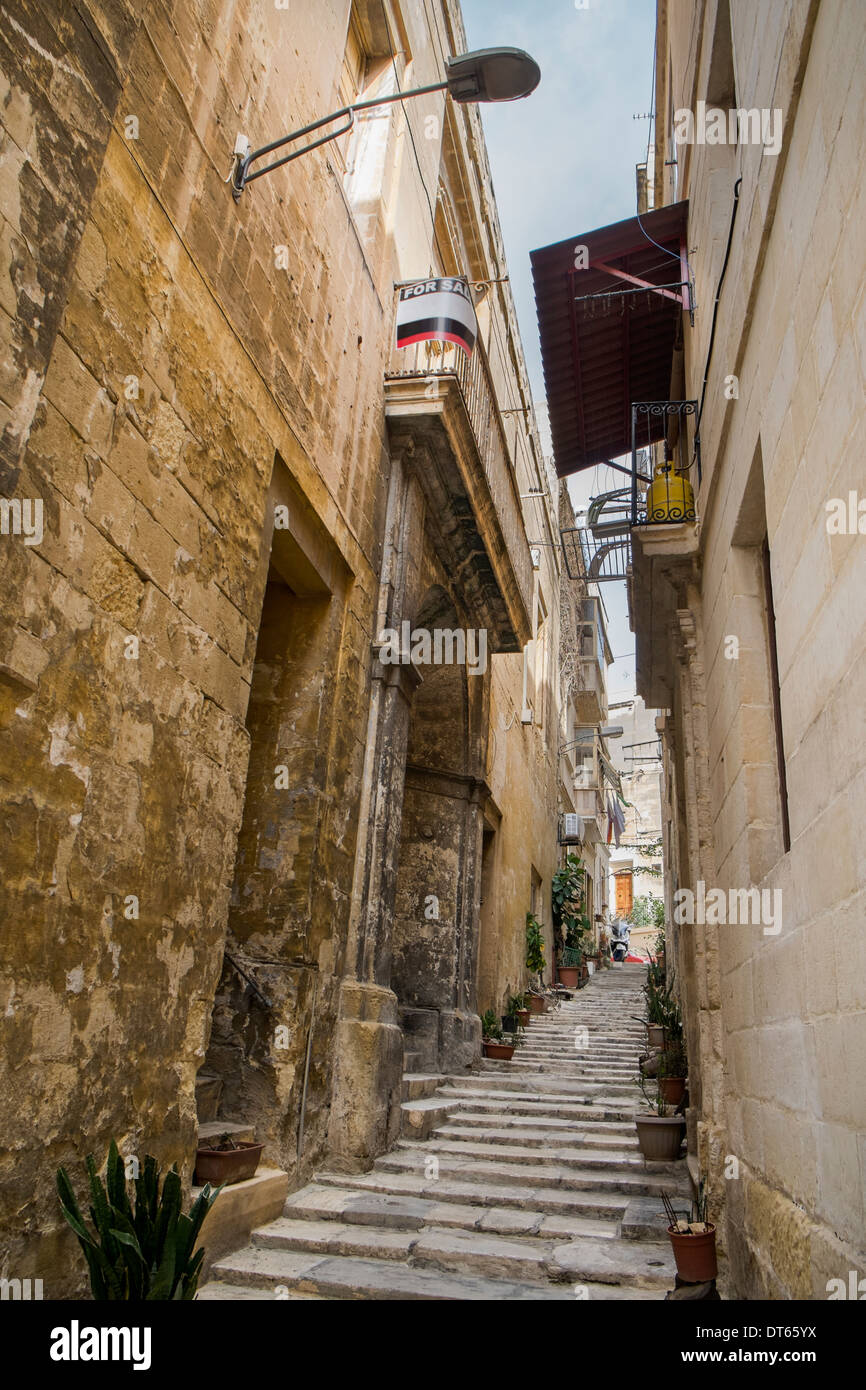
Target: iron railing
pixel 670 495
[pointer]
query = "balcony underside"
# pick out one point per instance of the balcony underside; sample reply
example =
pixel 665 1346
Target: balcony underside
pixel 472 508
pixel 664 561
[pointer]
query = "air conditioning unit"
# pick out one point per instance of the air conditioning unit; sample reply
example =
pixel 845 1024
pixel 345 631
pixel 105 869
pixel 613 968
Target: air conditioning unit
pixel 571 829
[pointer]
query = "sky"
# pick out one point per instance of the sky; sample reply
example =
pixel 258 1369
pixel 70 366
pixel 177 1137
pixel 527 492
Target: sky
pixel 563 162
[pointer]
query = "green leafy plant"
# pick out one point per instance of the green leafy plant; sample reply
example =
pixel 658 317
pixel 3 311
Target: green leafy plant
pixel 567 900
pixel 510 1020
pixel 673 1061
pixel 145 1253
pixel 534 944
pixel 647 911
pixel 656 1002
pixel 673 1019
pixel 491 1029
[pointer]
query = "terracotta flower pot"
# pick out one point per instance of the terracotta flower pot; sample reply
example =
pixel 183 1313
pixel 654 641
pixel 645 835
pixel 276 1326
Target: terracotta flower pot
pixel 523 1017
pixel 569 975
pixel 500 1052
pixel 660 1136
pixel 695 1255
pixel 655 1035
pixel 227 1165
pixel 672 1089
pixel 537 1004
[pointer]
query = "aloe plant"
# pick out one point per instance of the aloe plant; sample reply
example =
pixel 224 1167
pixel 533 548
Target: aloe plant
pixel 142 1254
pixel 491 1029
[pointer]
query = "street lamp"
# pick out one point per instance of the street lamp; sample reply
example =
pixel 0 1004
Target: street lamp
pixel 487 74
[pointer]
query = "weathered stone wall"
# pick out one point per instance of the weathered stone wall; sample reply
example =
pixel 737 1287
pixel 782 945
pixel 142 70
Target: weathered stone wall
pixel 787 1007
pixel 195 365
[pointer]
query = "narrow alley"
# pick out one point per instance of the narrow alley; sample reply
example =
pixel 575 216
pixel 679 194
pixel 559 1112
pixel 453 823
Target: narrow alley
pixel 517 1180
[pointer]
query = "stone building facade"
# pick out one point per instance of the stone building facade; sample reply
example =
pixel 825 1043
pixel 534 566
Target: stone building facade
pixel 245 856
pixel 750 625
pixel 636 864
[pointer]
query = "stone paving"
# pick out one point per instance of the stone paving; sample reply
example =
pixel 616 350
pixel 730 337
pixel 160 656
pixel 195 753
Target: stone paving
pixel 519 1180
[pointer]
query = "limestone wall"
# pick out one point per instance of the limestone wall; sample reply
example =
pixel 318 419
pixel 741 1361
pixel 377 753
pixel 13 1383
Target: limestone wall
pixel 180 368
pixel 785 1008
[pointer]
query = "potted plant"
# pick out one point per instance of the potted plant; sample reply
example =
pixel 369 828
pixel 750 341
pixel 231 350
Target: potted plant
pixel 659 1010
pixel 535 963
pixel 522 1013
pixel 534 944
pixel 492 1040
pixel 693 1240
pixel 569 968
pixel 659 1133
pixel 146 1252
pixel 516 1014
pixel 569 920
pixel 228 1161
pixel 672 1072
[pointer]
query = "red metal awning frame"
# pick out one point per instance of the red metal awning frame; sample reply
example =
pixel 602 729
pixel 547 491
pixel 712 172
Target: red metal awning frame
pixel 597 360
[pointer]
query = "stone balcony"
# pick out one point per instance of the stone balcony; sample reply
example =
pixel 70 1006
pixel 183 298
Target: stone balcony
pixel 589 804
pixel 591 699
pixel 444 406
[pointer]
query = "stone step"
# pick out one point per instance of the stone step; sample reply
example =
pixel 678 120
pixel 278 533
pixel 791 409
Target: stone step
pixel 519 1101
pixel 544 1085
pixel 516 1151
pixel 319 1202
pixel 472 1252
pixel 568 1067
pixel 239 1209
pixel 420 1085
pixel 418 1118
pixel 587 1174
pixel 533 1138
pixel 474 1107
pixel 606 1206
pixel 232 1293
pixel 344 1277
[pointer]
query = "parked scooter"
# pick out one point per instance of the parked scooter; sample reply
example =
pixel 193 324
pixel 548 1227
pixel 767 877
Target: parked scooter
pixel 620 932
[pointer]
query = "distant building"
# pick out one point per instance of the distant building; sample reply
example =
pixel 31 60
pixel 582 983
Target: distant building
pixel 636 865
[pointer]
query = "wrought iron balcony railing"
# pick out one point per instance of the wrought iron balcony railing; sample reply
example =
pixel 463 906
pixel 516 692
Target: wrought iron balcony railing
pixel 669 495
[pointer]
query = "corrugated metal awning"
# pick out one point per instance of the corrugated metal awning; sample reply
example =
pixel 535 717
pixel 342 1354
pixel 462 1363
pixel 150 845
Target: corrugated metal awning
pixel 608 330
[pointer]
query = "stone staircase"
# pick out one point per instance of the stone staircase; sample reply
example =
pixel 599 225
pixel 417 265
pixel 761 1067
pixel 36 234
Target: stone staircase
pixel 518 1180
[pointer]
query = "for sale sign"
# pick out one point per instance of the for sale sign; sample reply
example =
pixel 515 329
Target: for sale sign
pixel 439 310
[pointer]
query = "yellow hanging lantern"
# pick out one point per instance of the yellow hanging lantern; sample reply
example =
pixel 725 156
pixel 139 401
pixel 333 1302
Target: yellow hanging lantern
pixel 669 496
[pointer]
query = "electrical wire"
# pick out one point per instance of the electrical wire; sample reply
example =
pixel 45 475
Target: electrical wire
pixel 411 134
pixel 664 249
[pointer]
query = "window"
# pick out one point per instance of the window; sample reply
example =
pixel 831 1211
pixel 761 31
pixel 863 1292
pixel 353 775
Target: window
pixel 374 63
pixel 541 644
pixel 536 895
